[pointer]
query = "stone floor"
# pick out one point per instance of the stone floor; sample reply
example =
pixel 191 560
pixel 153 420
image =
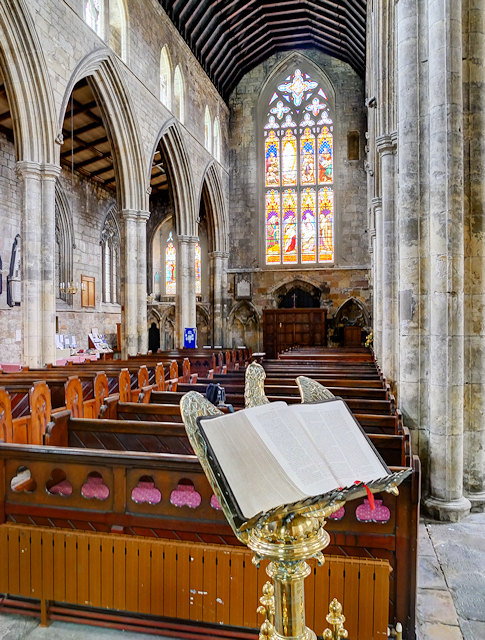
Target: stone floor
pixel 451 591
pixel 451 580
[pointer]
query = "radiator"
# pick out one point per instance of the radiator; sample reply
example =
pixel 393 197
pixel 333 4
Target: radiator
pixel 183 580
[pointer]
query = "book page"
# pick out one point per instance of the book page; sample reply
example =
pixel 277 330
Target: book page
pixel 279 427
pixel 341 442
pixel 256 478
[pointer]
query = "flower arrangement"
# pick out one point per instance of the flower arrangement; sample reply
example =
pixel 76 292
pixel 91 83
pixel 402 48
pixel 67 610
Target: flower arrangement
pixel 370 339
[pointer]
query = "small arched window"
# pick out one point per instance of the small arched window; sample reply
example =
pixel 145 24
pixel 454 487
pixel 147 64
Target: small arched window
pixel 110 255
pixel 117 28
pixel 170 267
pixel 298 173
pixel 165 78
pixel 207 129
pixel 178 94
pixel 93 14
pixel 217 140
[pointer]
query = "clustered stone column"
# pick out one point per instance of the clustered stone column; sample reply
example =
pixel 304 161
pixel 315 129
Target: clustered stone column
pixel 142 281
pixel 216 258
pixel 409 218
pixel 386 148
pixel 474 84
pixel 129 316
pixel 437 263
pixel 446 259
pixel 186 296
pixel 37 186
pixel 377 205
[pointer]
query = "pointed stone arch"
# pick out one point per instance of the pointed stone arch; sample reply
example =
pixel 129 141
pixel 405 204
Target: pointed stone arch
pixel 216 206
pixel 357 304
pixel 101 69
pixel 292 60
pixel 179 170
pixel 244 325
pixel 27 83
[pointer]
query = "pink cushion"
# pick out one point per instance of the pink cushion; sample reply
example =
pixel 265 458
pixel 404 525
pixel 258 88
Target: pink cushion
pixel 364 513
pixel 215 504
pixel 185 495
pixel 338 515
pixel 146 492
pixel 63 488
pixel 95 488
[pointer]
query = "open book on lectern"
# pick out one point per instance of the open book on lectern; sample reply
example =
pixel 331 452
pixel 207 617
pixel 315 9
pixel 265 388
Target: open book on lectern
pixel 278 455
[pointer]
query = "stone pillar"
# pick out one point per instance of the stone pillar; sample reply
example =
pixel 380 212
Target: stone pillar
pixel 224 301
pixel 129 314
pixel 474 436
pixel 49 177
pixel 386 149
pixel 409 219
pixel 29 174
pixel 142 328
pixel 186 297
pixel 446 260
pixel 378 246
pixel 217 294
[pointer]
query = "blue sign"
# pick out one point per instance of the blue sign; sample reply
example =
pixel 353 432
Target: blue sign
pixel 190 338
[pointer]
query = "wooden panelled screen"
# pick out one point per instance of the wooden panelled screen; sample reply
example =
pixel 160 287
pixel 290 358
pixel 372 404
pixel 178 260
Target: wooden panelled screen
pixel 284 328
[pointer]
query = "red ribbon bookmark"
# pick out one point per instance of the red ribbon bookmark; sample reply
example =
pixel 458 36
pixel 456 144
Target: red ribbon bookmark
pixel 370 496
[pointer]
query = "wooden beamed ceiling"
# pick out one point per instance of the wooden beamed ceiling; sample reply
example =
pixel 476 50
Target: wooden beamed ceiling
pixel 6 123
pixel 87 148
pixel 230 37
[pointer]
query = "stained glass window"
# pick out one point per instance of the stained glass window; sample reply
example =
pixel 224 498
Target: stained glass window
pixel 170 267
pixel 273 227
pixel 325 224
pixel 198 269
pixel 299 199
pixel 290 240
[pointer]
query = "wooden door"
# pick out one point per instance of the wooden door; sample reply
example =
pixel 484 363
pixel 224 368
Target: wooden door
pixel 285 328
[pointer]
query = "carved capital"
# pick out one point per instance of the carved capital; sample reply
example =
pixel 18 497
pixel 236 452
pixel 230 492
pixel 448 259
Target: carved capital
pixel 51 171
pixel 188 239
pixel 129 214
pixel 143 216
pixel 25 169
pixel 386 144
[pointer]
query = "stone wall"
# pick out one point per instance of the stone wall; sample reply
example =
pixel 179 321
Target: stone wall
pixel 10 317
pixel 350 275
pixel 89 204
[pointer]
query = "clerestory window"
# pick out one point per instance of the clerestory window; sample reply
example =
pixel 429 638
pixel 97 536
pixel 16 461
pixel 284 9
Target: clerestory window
pixel 298 173
pixel 92 14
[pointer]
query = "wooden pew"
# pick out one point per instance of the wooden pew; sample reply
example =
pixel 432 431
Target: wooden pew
pixel 63 484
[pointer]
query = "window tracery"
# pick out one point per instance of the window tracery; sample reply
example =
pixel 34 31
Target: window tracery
pixel 298 147
pixel 110 246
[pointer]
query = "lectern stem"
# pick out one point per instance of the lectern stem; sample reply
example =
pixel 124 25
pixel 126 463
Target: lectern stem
pixel 289 594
